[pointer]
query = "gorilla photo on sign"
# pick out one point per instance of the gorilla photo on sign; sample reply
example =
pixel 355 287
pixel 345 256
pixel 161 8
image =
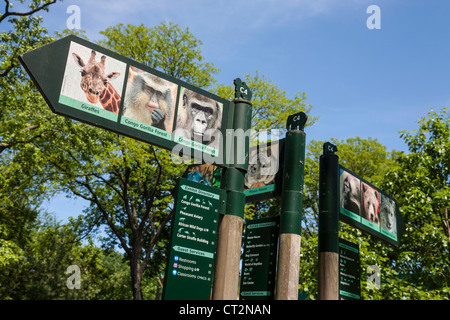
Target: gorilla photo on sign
pixel 198 118
pixel 150 99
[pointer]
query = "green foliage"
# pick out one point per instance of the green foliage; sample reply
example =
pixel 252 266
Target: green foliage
pixel 41 270
pixel 166 47
pixel 271 105
pixel 369 159
pixel 421 185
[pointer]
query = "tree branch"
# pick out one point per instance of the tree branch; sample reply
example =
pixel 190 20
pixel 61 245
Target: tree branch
pixel 23 14
pixel 155 238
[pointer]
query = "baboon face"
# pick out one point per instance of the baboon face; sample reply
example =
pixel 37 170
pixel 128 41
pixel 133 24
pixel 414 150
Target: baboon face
pixel 149 99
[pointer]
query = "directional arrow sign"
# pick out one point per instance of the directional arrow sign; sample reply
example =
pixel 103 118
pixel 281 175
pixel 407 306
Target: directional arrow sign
pixel 86 82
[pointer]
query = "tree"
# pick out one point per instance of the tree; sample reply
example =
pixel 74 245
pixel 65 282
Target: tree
pixel 24 118
pixel 166 47
pixel 129 184
pixel 421 185
pixel 13 41
pixel 48 255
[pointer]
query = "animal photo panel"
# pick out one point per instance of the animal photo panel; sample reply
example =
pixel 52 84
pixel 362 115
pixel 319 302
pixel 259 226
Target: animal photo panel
pixel 92 82
pixel 366 205
pixel 149 103
pixel 199 121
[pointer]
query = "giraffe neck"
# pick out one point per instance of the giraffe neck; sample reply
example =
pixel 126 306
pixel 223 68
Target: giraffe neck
pixel 110 99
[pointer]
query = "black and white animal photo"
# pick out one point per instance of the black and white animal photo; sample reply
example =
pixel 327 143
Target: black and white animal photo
pixel 198 118
pixel 387 212
pixel 262 169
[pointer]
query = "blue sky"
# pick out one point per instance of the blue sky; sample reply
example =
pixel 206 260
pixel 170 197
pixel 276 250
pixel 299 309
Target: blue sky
pixel 360 82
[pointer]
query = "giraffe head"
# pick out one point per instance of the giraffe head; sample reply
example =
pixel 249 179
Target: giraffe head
pixel 93 76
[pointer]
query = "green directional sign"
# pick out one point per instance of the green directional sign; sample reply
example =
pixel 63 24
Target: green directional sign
pixel 190 267
pixel 349 271
pixel 86 82
pixel 259 259
pixel 368 208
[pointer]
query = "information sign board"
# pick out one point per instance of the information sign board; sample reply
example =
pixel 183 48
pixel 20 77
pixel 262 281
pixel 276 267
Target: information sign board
pixel 83 81
pixel 368 208
pixel 349 271
pixel 259 259
pixel 194 236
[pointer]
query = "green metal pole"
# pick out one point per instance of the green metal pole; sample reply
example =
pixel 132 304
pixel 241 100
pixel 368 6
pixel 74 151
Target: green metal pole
pixel 226 275
pixel 328 224
pixel 291 212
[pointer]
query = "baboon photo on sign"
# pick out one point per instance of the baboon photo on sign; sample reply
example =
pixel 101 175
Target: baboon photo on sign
pixel 150 99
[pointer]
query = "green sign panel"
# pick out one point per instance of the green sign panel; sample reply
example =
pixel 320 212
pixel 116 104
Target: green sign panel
pixel 366 207
pixel 190 267
pixel 86 82
pixel 260 259
pixel 349 271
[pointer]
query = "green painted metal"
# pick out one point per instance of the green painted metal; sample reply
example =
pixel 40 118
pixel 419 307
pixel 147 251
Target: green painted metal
pixel 293 176
pixel 233 197
pixel 328 200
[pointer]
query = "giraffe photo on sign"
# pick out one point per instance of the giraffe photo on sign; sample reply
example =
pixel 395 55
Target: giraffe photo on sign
pixel 93 82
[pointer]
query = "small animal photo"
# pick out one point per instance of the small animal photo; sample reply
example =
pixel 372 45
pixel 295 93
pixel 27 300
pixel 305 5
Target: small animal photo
pixel 150 99
pixel 263 166
pixel 388 216
pixel 92 79
pixel 370 200
pixel 207 174
pixel 199 118
pixel 350 192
